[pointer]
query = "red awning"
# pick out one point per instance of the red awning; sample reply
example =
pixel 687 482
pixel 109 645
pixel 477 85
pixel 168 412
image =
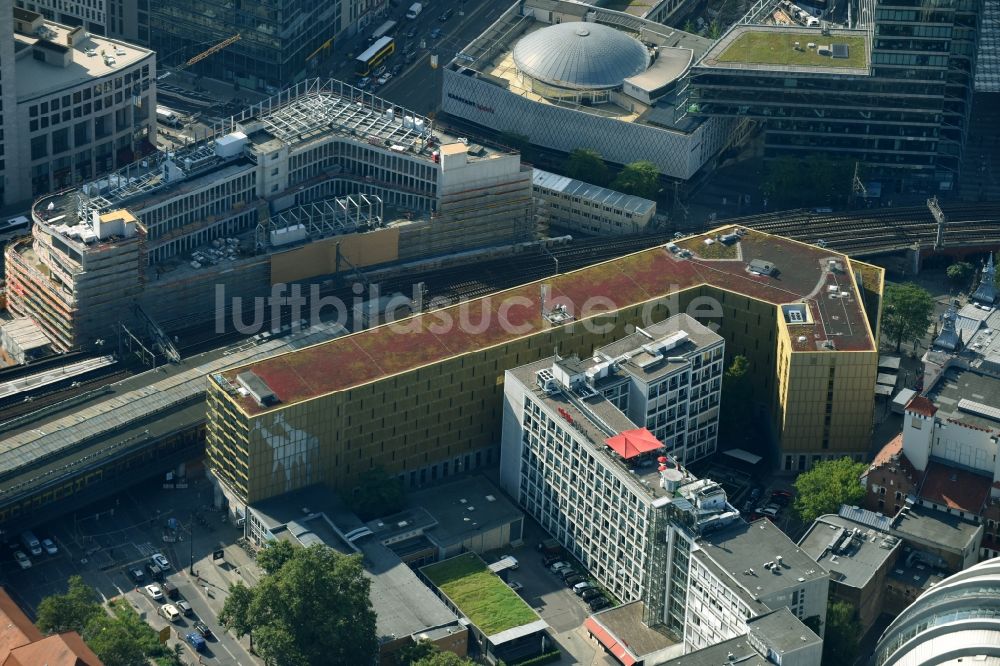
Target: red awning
pixel 632 443
pixel 609 641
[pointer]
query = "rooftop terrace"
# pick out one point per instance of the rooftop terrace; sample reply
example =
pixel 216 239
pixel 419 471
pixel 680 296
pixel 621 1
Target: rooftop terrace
pixel 637 278
pixel 774 48
pixel 480 595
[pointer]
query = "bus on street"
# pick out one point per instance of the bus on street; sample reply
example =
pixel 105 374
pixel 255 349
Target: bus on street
pixel 375 55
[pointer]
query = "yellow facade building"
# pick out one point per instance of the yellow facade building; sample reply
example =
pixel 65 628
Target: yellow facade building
pixel 422 398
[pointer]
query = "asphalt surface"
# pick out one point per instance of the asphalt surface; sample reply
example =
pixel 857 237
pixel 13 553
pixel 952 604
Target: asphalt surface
pixel 101 542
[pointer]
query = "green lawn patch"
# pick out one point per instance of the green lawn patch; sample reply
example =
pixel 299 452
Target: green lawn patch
pixel 480 594
pixel 772 47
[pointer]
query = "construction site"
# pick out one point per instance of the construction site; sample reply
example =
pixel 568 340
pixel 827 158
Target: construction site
pixel 319 180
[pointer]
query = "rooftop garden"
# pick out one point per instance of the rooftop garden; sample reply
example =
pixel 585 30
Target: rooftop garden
pixel 777 47
pixel 480 594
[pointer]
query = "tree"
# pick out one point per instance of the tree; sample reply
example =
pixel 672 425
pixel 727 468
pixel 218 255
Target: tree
pixel 906 311
pixel 641 179
pixel 274 555
pixel 377 494
pixel 826 486
pixel 315 609
pixel 68 612
pixel 960 272
pixel 689 26
pixel 113 643
pixel 587 165
pixel 714 29
pixel 444 659
pixel 735 387
pixel 414 652
pixel 843 631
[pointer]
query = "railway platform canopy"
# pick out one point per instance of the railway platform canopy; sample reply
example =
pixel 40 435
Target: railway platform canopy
pixel 48 452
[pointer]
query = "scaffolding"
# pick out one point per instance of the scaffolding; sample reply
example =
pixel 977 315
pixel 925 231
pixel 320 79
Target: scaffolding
pixel 328 217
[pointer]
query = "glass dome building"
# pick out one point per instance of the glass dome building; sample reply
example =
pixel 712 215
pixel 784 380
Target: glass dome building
pixel 579 62
pixel 956 621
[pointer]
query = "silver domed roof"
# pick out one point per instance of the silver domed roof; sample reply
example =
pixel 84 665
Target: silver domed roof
pixel 580 55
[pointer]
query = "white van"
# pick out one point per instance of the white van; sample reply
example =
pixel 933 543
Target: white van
pixel 31 542
pixel 170 612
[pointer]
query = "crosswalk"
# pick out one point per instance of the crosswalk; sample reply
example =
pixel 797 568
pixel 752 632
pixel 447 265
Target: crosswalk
pixel 145 548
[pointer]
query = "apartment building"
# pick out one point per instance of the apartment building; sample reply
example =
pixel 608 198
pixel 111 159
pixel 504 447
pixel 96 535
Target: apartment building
pixel 421 396
pixel 79 105
pixel 288 190
pixel 572 204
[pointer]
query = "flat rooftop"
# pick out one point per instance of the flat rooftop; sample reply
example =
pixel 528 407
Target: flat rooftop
pixel 743 546
pixel 622 627
pixel 480 594
pixel 640 473
pixel 384 351
pixel 36 78
pixel 958 390
pixel 698 338
pixel 718 655
pixel 856 562
pixel 935 527
pixel 308 113
pixel 464 508
pixel 760 47
pixel 781 631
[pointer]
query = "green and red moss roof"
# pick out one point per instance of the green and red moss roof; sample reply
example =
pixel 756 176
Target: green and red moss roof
pixel 370 355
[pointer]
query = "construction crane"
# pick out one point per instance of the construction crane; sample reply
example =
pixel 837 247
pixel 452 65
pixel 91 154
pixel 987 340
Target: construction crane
pixel 210 51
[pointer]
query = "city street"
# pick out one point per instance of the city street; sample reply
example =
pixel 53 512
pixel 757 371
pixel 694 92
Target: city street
pixel 103 541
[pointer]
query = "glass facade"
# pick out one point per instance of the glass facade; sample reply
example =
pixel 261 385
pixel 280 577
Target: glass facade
pixel 277 36
pixel 906 119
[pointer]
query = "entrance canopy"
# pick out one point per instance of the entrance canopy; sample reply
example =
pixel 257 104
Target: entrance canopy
pixel 744 456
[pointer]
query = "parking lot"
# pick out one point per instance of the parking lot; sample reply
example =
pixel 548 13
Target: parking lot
pixel 103 542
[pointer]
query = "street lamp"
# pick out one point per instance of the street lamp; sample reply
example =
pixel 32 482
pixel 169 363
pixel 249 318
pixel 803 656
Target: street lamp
pixel 191 542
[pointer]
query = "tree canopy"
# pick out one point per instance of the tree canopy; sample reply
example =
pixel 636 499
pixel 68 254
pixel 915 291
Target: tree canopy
pixel 377 494
pixel 119 638
pixel 71 611
pixel 313 610
pixel 425 653
pixel 843 632
pixel 960 272
pixel 587 165
pixel 906 312
pixel 274 556
pixel 641 179
pixel 826 486
pixel 735 386
pixel 794 181
pixel 440 658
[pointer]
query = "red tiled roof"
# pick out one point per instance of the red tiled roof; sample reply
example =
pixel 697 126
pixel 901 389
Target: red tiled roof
pixel 922 406
pixel 892 454
pixel 426 338
pixel 16 629
pixel 632 443
pixel 955 488
pixel 59 650
pixel 609 641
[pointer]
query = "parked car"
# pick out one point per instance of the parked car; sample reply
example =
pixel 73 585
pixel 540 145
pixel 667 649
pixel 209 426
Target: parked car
pixel 159 560
pixel 22 560
pixel 409 56
pixel 781 497
pixel 590 593
pixel 184 607
pixel 435 33
pixel 379 71
pixel 559 564
pixel 196 641
pixel 770 511
pixel 446 14
pixel 50 546
pixel 154 571
pixel 363 82
pixel 154 592
pixel 580 588
pixel 202 629
pixel 513 561
pixel 574 580
pixel 514 585
pixel 384 79
pixel 136 574
pixel 566 573
pixel 412 32
pixel 597 603
pixel 396 69
pixel 549 560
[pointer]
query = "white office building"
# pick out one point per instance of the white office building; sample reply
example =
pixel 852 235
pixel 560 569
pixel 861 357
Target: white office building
pixel 615 497
pixel 84 106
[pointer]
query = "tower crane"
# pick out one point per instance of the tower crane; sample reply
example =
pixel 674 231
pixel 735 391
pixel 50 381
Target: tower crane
pixel 229 41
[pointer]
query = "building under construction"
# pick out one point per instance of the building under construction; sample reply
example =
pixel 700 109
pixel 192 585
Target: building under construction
pixel 320 178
